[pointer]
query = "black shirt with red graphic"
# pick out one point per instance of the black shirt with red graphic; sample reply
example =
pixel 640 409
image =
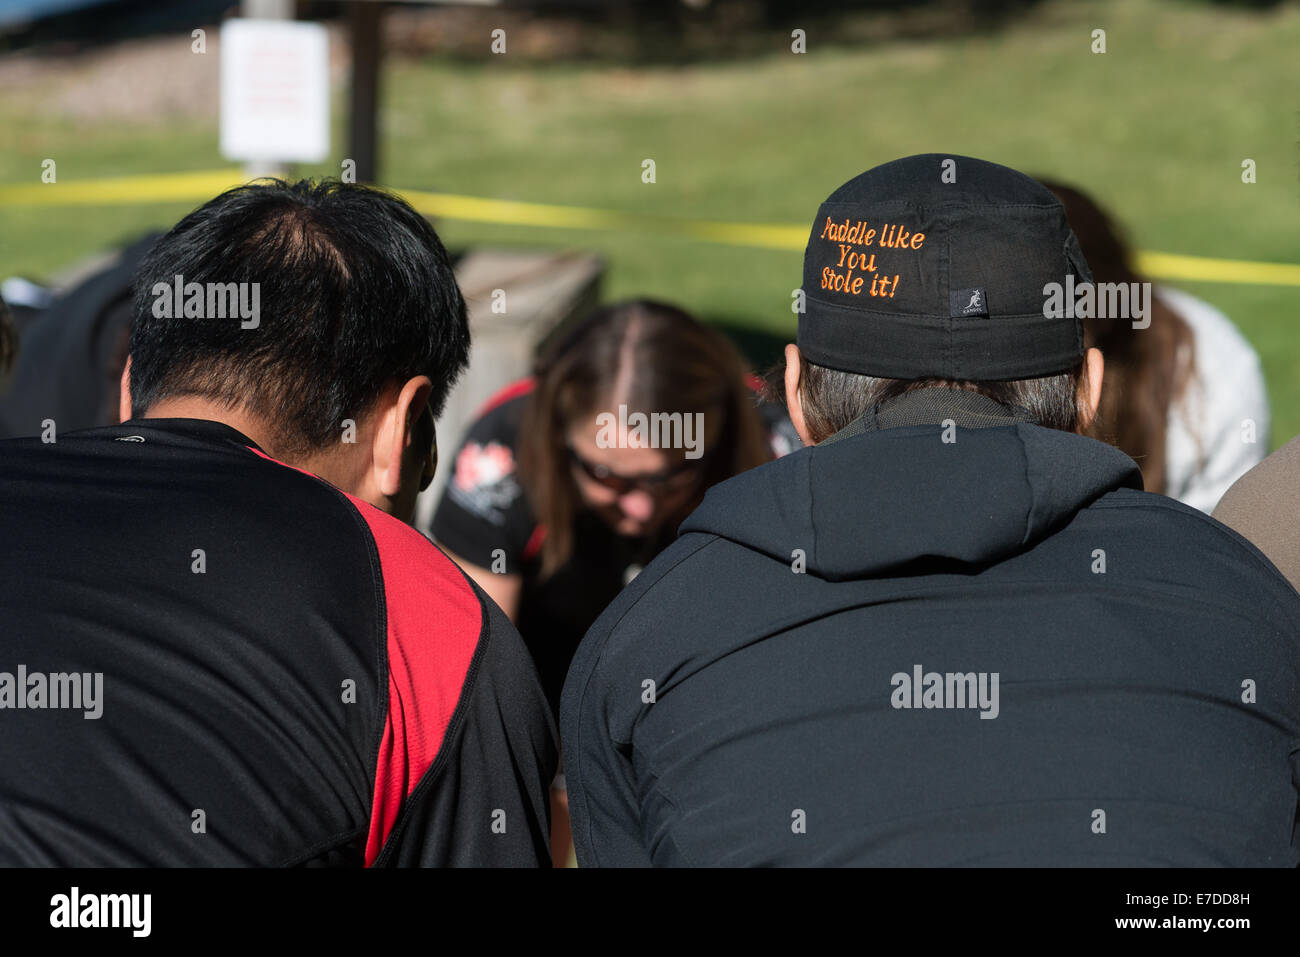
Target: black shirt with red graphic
pixel 485 518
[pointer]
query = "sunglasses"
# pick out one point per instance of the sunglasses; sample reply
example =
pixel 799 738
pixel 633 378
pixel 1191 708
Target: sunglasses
pixel 658 483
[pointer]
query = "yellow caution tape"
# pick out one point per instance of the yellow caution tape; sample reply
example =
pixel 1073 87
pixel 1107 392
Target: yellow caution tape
pixel 198 186
pixel 1201 269
pixel 124 190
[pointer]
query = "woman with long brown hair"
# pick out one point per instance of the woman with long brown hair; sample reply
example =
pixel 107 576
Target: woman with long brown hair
pixel 569 482
pixel 1184 397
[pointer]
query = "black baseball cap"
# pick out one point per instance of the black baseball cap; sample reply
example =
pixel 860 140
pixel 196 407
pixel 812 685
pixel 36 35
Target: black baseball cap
pixel 934 266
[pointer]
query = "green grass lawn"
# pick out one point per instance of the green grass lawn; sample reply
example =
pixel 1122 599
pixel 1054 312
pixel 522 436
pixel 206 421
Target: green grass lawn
pixel 1156 128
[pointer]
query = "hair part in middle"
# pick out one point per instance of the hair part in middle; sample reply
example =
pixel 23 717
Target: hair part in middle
pixel 651 357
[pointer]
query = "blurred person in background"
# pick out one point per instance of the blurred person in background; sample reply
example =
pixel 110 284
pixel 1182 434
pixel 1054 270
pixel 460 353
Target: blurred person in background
pixel 550 520
pixel 1176 394
pixel 1263 506
pixel 73 347
pixel 552 525
pixel 8 344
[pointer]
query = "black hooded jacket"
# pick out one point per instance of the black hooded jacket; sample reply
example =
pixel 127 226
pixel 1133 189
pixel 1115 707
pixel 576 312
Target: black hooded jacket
pixel 807 676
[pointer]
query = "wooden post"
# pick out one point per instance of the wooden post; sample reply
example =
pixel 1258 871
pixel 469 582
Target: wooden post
pixel 364 23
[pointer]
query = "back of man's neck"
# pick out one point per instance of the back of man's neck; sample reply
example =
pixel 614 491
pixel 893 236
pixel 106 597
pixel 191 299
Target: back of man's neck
pixel 196 407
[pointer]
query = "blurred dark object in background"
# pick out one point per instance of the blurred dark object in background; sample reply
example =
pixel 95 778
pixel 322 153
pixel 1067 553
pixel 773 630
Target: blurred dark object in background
pixel 8 342
pixel 630 31
pixel 71 353
pixel 28 23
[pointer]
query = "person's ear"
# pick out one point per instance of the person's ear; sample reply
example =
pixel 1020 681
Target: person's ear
pixel 793 400
pixel 124 394
pixel 431 458
pixel 395 430
pixel 1094 367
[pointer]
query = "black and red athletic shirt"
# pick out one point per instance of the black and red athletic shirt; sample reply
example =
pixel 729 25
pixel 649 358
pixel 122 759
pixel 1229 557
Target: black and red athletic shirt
pixel 289 676
pixel 485 518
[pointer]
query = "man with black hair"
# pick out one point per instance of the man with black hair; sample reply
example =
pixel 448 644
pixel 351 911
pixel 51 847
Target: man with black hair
pixel 953 630
pixel 272 667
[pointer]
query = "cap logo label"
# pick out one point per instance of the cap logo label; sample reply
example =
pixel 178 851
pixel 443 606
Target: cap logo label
pixel 849 234
pixel 967 303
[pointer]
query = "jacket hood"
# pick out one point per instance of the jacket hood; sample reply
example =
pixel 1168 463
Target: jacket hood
pixel 862 504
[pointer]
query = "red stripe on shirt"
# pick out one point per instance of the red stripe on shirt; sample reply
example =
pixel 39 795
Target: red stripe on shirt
pixel 434 624
pixel 435 621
